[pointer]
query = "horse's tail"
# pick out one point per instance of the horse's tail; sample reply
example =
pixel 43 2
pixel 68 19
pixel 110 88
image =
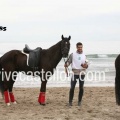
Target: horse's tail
pixel 1 81
pixel 117 80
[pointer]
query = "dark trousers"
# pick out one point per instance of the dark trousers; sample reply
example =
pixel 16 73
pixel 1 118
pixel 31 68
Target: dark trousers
pixel 73 83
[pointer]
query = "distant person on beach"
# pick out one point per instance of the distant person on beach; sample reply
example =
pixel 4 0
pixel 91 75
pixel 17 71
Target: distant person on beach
pixel 79 65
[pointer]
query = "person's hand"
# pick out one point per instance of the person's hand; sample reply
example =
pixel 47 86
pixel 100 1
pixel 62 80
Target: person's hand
pixel 84 65
pixel 65 65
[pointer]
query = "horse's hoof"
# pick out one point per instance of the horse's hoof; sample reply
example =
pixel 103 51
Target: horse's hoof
pixel 8 104
pixel 15 102
pixel 43 104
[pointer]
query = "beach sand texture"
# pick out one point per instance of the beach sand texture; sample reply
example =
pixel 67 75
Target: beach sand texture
pixel 98 104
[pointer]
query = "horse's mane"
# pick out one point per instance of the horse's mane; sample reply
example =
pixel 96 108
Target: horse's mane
pixel 52 47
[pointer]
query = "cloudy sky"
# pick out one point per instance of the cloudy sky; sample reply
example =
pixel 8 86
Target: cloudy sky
pixel 46 20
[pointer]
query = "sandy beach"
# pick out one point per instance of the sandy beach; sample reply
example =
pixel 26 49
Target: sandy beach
pixel 98 104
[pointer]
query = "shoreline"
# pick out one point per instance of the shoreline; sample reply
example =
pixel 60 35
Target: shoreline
pixel 65 86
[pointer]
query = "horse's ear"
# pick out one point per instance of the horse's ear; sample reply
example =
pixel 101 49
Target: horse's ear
pixel 69 38
pixel 62 37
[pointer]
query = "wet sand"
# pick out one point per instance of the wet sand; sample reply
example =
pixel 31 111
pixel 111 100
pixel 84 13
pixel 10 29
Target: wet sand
pixel 98 104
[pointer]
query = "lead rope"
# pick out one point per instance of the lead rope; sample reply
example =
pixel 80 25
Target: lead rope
pixel 67 71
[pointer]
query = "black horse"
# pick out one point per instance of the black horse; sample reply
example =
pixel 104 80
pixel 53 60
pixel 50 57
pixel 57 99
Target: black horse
pixel 15 60
pixel 117 80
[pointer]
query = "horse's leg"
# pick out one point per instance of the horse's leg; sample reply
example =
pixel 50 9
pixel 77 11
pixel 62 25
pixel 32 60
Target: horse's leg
pixel 2 89
pixel 6 92
pixel 8 85
pixel 12 98
pixel 41 98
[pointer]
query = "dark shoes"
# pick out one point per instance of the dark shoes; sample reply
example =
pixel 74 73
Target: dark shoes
pixel 79 103
pixel 70 104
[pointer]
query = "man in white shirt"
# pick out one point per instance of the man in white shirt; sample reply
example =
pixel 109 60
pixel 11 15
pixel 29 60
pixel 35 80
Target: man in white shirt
pixel 79 65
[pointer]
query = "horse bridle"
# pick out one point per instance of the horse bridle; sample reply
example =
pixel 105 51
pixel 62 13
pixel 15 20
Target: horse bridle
pixel 66 68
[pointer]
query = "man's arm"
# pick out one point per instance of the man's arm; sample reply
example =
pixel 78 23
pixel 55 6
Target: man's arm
pixel 69 60
pixel 85 65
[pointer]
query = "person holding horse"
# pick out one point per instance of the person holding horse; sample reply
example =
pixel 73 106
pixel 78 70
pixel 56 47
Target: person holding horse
pixel 79 65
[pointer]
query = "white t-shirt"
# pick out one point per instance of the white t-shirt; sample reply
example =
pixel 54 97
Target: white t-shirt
pixel 77 60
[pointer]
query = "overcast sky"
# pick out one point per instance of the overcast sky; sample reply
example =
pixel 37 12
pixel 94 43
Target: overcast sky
pixel 46 20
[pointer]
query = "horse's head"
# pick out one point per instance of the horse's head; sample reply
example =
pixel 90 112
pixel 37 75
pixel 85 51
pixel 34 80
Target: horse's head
pixel 65 45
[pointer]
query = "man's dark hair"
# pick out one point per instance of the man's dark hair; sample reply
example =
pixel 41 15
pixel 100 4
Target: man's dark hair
pixel 79 43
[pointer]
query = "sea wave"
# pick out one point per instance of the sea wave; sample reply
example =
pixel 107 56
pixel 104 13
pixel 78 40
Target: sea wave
pixel 101 55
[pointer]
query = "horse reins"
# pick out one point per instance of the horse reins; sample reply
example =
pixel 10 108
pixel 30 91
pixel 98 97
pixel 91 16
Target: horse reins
pixel 67 69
